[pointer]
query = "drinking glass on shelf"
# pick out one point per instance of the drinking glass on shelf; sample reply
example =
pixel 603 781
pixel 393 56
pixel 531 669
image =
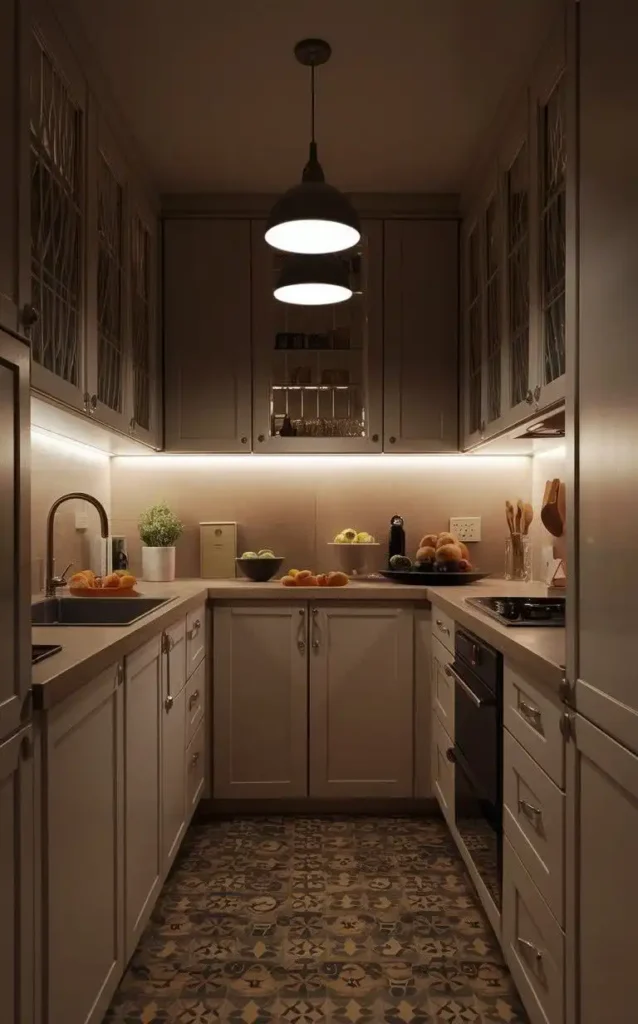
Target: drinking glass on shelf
pixel 518 557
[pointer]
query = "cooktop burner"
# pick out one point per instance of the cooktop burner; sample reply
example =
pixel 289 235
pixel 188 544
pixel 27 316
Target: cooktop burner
pixel 523 611
pixel 41 651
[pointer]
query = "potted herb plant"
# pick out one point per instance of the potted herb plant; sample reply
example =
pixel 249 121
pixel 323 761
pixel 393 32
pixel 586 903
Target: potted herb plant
pixel 159 529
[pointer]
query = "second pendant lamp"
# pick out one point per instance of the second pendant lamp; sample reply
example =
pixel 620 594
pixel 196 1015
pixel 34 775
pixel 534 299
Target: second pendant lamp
pixel 313 217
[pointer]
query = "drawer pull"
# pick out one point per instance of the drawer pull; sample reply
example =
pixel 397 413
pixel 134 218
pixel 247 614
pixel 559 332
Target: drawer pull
pixel 529 947
pixel 534 814
pixel 449 671
pixel 192 700
pixel 192 633
pixel 195 758
pixel 532 715
pixel 442 627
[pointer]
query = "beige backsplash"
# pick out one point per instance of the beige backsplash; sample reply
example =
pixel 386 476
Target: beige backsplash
pixel 297 504
pixel 57 467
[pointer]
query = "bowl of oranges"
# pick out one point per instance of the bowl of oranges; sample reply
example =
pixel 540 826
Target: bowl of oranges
pixel 87 584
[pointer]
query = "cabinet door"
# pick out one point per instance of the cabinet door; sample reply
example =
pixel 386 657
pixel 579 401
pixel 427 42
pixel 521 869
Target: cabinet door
pixel 207 335
pixel 108 355
pixel 84 853
pixel 142 790
pixel 361 700
pixel 474 347
pixel 17 879
pixel 318 369
pixel 420 336
pixel 607 412
pixel 145 423
pixel 260 694
pixel 443 772
pixel 15 529
pixel 58 99
pixel 602 844
pixel 173 716
pixel 14 189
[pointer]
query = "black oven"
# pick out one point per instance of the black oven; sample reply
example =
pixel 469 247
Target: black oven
pixel 477 671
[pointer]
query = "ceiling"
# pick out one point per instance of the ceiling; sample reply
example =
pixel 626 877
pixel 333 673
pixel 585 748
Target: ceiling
pixel 217 102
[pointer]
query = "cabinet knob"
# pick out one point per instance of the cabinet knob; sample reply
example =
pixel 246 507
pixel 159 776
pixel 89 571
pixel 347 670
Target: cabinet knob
pixel 392 440
pixel 261 438
pixel 537 393
pixel 195 758
pixel 192 700
pixel 529 398
pixel 451 756
pixel 168 703
pixel 375 437
pixel 29 315
pixel 244 440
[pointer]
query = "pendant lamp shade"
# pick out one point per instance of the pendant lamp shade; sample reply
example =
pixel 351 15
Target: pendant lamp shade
pixel 313 217
pixel 317 280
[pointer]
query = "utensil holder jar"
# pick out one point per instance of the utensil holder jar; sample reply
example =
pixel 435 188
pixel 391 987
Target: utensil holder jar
pixel 518 557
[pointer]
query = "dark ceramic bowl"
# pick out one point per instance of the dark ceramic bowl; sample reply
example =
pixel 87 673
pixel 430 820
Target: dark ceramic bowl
pixel 259 570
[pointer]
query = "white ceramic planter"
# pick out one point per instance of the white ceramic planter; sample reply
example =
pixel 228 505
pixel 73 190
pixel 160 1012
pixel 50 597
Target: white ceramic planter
pixel 158 565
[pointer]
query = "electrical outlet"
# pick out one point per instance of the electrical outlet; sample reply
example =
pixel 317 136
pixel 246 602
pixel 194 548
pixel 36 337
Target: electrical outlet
pixel 81 520
pixel 466 528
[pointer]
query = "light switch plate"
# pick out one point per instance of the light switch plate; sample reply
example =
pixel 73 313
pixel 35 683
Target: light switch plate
pixel 466 528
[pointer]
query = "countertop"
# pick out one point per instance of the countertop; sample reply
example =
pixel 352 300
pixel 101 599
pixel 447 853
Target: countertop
pixel 89 650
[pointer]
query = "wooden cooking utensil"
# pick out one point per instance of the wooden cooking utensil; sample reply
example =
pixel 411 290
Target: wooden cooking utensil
pixel 561 503
pixel 528 516
pixel 519 515
pixel 550 514
pixel 509 515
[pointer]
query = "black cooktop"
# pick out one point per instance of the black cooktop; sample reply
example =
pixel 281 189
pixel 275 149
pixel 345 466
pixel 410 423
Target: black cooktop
pixel 523 611
pixel 41 651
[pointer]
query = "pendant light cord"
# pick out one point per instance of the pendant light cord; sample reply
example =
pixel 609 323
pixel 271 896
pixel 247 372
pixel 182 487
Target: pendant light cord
pixel 312 103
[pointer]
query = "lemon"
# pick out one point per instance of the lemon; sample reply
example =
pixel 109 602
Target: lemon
pixel 293 572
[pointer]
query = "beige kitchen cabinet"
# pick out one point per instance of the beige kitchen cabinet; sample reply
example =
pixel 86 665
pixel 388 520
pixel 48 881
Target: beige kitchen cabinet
pixel 84 851
pixel 17 879
pixel 443 772
pixel 14 277
pixel 420 411
pixel 361 710
pixel 260 700
pixel 318 369
pixel 173 719
pixel 143 718
pixel 207 335
pixel 602 898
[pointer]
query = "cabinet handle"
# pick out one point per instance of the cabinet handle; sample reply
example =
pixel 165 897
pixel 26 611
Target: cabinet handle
pixel 244 440
pixel 261 438
pixel 315 631
pixel 131 425
pixel 29 315
pixel 195 758
pixel 92 403
pixel 167 646
pixel 529 398
pixel 192 700
pixel 531 714
pixel 537 393
pixel 301 636
pixel 392 440
pixel 534 814
pixel 442 627
pixel 194 630
pixel 529 947
pixel 375 437
pixel 26 748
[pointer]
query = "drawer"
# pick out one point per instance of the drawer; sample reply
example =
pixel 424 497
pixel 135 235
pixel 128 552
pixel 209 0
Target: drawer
pixel 533 715
pixel 533 943
pixel 443 628
pixel 195 638
pixel 534 822
pixel 195 700
pixel 174 658
pixel 442 771
pixel 195 770
pixel 442 686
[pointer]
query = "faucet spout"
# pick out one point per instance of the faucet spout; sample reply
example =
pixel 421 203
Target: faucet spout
pixel 51 582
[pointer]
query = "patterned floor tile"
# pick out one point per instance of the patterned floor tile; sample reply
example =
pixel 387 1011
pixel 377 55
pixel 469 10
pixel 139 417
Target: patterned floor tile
pixel 312 920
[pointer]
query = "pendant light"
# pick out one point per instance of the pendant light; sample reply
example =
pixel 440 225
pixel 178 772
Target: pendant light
pixel 313 217
pixel 316 280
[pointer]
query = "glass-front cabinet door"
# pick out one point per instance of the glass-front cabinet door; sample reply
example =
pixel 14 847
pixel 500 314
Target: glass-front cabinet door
pixel 317 382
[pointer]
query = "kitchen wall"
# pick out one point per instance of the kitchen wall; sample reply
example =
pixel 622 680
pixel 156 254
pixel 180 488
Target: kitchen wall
pixel 296 504
pixel 57 467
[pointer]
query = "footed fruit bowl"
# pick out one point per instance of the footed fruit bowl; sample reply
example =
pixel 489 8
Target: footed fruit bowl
pixel 259 570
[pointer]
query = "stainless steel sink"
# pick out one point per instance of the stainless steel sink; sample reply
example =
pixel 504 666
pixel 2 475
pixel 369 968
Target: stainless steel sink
pixel 93 611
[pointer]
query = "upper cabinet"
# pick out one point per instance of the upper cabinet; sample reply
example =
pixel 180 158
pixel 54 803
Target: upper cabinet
pixel 317 383
pixel 13 195
pixel 420 336
pixel 513 266
pixel 207 335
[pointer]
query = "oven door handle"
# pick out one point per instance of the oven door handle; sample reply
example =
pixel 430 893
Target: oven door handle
pixel 449 671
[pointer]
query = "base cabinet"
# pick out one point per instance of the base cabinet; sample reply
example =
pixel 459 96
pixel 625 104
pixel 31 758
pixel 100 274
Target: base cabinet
pixel 17 938
pixel 260 701
pixel 142 789
pixel 361 701
pixel 173 776
pixel 84 853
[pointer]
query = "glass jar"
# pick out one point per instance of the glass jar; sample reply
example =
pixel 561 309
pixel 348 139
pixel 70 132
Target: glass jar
pixel 518 557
